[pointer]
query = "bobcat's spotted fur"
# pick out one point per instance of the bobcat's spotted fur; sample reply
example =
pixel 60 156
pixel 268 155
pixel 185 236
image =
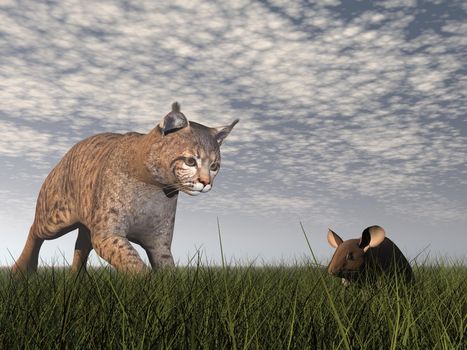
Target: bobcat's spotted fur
pixel 118 188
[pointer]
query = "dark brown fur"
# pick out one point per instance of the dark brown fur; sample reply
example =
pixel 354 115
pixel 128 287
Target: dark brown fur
pixel 367 258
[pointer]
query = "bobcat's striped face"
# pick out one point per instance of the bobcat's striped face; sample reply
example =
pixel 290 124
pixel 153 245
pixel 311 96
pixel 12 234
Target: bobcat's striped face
pixel 195 171
pixel 186 157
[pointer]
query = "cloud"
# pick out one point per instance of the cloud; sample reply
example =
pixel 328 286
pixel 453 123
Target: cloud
pixel 334 101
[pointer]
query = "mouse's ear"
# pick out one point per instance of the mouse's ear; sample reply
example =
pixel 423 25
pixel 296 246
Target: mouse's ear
pixel 371 237
pixel 334 239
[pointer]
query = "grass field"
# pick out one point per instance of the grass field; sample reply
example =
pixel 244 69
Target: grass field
pixel 232 307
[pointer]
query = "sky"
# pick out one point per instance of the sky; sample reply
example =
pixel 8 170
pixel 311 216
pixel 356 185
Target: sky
pixel 352 113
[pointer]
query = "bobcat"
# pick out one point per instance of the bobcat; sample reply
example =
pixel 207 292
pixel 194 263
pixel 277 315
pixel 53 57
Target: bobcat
pixel 117 188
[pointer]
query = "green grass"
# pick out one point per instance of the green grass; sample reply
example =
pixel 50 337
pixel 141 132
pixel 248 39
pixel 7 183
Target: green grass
pixel 203 307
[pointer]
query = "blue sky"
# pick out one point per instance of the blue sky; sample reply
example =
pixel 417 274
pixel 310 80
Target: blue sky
pixel 352 114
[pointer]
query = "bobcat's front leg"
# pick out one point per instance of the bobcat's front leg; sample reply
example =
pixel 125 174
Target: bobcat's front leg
pixel 159 253
pixel 118 251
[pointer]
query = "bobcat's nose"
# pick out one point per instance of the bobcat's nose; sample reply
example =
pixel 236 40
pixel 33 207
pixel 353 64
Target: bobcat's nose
pixel 204 181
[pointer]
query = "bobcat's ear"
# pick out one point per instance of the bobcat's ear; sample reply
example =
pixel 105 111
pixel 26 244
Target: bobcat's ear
pixel 173 121
pixel 222 132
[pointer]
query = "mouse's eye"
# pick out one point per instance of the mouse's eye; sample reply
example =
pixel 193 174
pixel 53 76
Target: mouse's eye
pixel 349 256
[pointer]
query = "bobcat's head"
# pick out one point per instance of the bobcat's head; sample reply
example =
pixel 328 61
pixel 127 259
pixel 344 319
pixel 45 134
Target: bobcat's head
pixel 185 155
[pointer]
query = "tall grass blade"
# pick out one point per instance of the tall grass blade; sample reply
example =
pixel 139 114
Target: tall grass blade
pixel 337 317
pixel 231 325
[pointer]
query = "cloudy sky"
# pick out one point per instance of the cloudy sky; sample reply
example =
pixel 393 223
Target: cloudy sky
pixel 352 114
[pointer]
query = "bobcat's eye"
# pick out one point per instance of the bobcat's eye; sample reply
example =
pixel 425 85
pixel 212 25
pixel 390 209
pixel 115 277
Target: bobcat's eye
pixel 349 256
pixel 190 161
pixel 214 166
